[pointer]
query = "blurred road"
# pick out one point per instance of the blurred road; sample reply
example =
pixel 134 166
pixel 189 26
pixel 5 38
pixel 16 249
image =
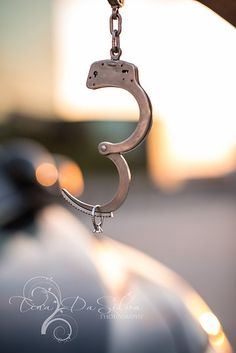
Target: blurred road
pixel 192 231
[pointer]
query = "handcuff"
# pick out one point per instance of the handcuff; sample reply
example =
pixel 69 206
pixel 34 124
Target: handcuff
pixel 119 74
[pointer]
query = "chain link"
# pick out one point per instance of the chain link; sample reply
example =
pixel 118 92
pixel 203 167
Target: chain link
pixel 115 32
pixel 118 3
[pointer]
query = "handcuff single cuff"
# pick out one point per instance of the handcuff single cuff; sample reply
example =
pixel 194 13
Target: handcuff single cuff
pixel 124 75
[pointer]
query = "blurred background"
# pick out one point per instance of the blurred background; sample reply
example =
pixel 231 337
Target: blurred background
pixel 181 207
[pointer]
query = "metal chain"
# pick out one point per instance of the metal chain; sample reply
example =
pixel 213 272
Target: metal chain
pixel 115 32
pixel 118 3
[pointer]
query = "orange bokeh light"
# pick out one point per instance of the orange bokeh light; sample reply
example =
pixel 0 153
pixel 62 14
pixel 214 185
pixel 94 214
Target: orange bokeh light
pixel 46 174
pixel 71 178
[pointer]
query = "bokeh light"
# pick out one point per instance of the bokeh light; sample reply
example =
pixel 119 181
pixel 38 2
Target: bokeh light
pixel 46 174
pixel 71 178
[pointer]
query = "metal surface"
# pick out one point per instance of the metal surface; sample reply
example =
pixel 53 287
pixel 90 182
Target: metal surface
pixel 119 283
pixel 119 74
pixel 120 196
pixel 115 32
pixel 97 225
pixel 118 3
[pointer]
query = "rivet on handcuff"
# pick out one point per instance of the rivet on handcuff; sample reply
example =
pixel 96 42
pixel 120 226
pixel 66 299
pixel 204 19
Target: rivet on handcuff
pixel 120 74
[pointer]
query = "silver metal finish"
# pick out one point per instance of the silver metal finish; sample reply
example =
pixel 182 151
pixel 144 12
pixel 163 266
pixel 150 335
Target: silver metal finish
pixel 120 196
pixel 97 225
pixel 115 32
pixel 118 3
pixel 119 74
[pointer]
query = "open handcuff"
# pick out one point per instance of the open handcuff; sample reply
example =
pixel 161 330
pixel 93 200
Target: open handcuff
pixel 120 74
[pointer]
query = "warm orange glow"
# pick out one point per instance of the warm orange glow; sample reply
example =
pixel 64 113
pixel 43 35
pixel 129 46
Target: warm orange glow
pixel 46 174
pixel 161 168
pixel 219 340
pixel 171 159
pixel 210 323
pixel 71 178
